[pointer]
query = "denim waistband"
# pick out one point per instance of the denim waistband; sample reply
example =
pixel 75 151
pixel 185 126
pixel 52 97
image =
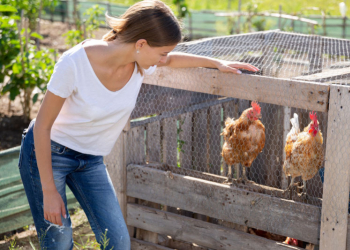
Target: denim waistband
pixel 57 147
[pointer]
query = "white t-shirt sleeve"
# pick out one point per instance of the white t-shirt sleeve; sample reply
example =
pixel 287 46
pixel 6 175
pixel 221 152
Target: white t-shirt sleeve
pixel 150 70
pixel 62 79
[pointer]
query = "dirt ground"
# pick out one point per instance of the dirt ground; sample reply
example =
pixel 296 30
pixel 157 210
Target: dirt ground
pixel 11 121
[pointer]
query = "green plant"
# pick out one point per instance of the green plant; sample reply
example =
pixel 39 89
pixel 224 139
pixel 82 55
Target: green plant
pixel 13 245
pixel 88 26
pixel 105 241
pixel 180 142
pixel 27 70
pixel 21 61
pixel 182 8
pixel 30 8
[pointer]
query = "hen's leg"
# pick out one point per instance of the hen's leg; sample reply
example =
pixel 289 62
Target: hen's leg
pixel 290 187
pixel 303 194
pixel 229 173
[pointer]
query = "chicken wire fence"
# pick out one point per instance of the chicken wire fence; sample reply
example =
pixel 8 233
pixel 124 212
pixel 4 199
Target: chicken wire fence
pixel 184 128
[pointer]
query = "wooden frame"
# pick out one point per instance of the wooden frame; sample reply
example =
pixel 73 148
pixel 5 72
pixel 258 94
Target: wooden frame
pixel 249 205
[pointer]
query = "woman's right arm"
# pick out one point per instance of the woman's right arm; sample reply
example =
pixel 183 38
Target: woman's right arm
pixel 53 204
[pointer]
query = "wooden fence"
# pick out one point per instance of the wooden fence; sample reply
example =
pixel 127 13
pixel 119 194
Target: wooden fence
pixel 210 23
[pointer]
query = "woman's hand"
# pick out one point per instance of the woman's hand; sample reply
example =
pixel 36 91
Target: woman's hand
pixel 54 207
pixel 233 67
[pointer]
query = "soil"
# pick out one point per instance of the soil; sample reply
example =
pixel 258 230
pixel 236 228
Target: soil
pixel 11 113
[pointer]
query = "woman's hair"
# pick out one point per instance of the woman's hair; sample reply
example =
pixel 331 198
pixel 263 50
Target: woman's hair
pixel 151 20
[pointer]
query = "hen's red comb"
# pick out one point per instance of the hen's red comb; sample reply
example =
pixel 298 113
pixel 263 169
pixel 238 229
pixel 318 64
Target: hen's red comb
pixel 313 116
pixel 256 107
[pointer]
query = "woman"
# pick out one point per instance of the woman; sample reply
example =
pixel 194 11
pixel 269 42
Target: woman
pixel 89 99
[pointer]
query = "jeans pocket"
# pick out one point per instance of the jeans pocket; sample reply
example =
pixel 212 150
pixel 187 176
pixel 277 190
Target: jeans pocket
pixel 57 148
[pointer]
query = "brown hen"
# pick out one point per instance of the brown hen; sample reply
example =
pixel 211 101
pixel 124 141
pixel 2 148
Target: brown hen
pixel 304 151
pixel 244 138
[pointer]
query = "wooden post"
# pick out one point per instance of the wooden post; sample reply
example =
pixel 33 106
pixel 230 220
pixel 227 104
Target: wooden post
pixel 200 130
pixel 169 147
pixel 334 217
pixel 286 128
pixel 214 139
pixel 169 141
pixel 116 165
pixel 231 109
pixel 185 137
pixel 153 155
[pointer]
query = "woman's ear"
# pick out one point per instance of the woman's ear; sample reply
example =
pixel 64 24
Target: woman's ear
pixel 140 43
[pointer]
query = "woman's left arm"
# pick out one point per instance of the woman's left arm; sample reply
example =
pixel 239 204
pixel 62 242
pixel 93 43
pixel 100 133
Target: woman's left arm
pixel 183 60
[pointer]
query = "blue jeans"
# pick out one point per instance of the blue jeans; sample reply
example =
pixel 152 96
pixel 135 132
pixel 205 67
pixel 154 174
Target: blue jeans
pixel 87 177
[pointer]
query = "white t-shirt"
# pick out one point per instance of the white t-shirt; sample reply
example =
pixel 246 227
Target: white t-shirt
pixel 92 117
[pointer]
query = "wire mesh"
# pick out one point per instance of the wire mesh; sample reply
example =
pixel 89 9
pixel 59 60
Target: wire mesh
pixel 184 129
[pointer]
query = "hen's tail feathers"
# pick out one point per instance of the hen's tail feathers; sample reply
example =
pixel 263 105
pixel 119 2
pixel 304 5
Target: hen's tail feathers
pixel 229 121
pixel 295 124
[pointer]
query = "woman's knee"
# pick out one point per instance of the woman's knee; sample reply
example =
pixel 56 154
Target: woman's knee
pixel 56 237
pixel 117 241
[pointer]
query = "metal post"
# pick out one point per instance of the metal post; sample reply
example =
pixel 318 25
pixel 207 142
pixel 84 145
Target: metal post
pixel 280 17
pixel 109 9
pixel 344 26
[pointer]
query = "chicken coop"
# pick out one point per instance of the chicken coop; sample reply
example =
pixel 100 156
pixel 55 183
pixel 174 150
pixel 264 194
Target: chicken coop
pixel 172 182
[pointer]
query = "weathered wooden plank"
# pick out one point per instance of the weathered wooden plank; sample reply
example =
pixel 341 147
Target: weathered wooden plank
pixel 168 241
pixel 169 148
pixel 180 111
pixel 169 141
pixel 267 165
pixel 336 182
pixel 116 164
pixel 185 140
pixel 252 186
pixel 144 245
pixel 283 217
pixel 153 142
pixel 326 75
pixel 197 231
pixel 136 145
pixel 215 139
pixel 286 129
pixel 153 150
pixel 200 140
pixel 231 110
pixel 313 96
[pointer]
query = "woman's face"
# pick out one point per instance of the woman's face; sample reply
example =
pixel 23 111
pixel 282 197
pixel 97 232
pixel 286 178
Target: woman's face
pixel 150 56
